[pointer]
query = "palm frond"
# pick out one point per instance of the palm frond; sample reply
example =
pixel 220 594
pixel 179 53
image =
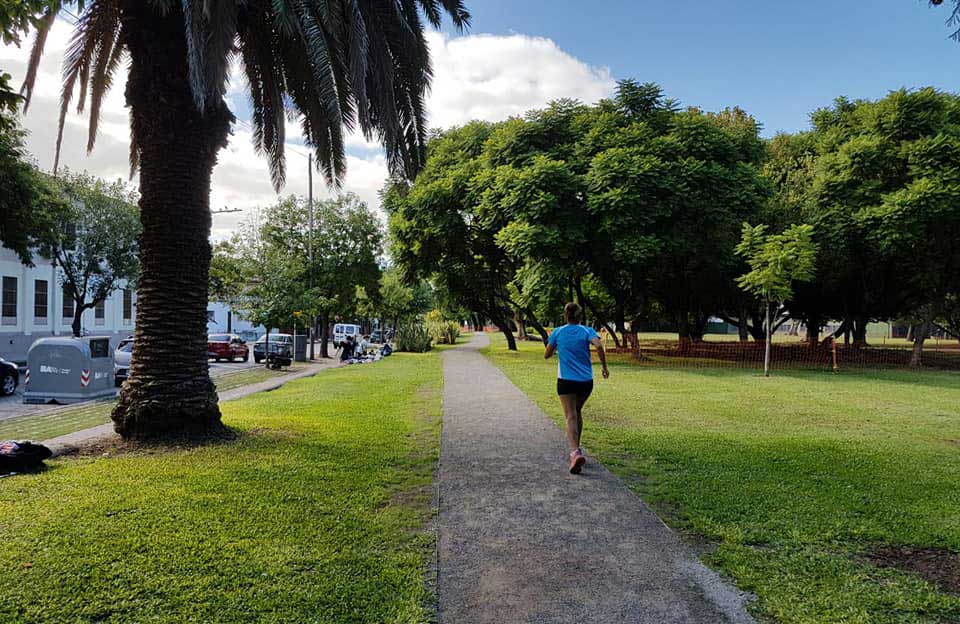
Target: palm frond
pixel 36 53
pixel 99 23
pixel 109 54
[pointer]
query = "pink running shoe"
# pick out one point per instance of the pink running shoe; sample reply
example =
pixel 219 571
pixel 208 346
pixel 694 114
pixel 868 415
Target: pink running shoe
pixel 577 460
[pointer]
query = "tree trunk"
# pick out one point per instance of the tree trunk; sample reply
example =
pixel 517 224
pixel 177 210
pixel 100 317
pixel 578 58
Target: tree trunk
pixel 325 336
pixel 504 327
pixel 813 331
pixel 860 331
pixel 766 350
pixel 699 328
pixel 920 332
pixel 544 336
pixel 169 391
pixel 521 325
pixel 78 309
pixel 585 303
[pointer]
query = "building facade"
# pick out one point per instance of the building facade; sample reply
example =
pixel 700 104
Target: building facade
pixel 222 319
pixel 33 305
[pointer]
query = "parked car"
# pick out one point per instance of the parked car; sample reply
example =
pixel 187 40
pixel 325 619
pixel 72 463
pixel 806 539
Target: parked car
pixel 121 361
pixel 228 347
pixel 281 344
pixel 342 330
pixel 9 377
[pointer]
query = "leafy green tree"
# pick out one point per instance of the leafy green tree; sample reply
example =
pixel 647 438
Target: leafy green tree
pixel 227 278
pixel 273 252
pixel 864 177
pixel 29 203
pixel 776 261
pixel 616 196
pixel 94 241
pixel 328 65
pixel 438 231
pixel 27 200
pixel 918 225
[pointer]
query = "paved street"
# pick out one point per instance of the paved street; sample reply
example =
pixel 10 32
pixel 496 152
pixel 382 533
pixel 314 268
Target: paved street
pixel 13 406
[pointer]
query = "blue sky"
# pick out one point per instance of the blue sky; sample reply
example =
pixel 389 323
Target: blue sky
pixel 778 59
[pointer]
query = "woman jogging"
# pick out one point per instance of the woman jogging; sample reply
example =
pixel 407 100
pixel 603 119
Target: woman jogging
pixel 575 375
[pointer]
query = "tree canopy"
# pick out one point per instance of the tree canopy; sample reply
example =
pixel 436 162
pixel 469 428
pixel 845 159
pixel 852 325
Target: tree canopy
pixel 608 202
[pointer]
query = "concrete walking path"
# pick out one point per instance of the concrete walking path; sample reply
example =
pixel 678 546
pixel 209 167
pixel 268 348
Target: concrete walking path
pixel 523 541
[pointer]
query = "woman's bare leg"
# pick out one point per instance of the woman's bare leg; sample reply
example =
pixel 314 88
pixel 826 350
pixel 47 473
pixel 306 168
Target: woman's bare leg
pixel 572 416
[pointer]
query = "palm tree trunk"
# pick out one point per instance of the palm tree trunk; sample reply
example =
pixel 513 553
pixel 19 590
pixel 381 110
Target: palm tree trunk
pixel 169 390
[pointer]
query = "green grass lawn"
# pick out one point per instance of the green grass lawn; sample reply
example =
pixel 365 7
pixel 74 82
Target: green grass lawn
pixel 794 479
pixel 315 513
pixel 50 424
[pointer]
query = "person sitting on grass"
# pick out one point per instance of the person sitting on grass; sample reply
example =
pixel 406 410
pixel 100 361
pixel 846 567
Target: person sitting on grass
pixel 571 343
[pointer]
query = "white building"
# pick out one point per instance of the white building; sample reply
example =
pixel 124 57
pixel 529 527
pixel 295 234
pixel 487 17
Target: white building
pixel 222 319
pixel 32 305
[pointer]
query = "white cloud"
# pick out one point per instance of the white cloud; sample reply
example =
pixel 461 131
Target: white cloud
pixel 476 77
pixel 491 77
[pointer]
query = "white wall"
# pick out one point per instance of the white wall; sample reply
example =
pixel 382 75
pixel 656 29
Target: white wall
pixel 16 339
pixel 238 324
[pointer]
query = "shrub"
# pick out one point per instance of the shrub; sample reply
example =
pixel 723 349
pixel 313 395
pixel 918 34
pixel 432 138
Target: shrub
pixel 413 337
pixel 444 332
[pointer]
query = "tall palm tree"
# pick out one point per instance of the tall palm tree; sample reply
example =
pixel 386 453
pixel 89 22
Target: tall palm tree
pixel 331 64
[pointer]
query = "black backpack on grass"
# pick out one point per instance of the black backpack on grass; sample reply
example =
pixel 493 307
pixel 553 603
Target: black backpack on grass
pixel 22 456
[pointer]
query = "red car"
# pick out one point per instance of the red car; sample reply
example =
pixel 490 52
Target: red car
pixel 228 347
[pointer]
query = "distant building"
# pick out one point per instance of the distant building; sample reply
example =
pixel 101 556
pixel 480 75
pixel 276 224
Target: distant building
pixel 222 319
pixel 32 305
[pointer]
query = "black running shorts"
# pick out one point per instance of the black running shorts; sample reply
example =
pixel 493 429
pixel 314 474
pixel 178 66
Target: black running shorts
pixel 580 388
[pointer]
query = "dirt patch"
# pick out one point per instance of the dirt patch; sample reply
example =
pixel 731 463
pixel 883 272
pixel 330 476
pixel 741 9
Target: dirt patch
pixel 114 445
pixel 938 566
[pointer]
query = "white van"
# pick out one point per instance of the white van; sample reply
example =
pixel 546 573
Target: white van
pixel 342 330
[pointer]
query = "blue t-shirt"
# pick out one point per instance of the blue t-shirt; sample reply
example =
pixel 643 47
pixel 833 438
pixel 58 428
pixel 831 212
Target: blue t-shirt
pixel 572 343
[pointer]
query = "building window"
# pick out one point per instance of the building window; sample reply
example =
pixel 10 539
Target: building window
pixel 8 302
pixel 40 302
pixel 127 306
pixel 100 312
pixel 67 310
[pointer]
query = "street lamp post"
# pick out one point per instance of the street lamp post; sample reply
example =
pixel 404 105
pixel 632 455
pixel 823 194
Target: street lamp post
pixel 313 319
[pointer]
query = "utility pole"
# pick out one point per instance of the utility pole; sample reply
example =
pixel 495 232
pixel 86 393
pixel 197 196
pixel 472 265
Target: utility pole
pixel 313 319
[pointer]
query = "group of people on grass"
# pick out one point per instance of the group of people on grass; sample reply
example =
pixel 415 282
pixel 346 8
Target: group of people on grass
pixel 360 349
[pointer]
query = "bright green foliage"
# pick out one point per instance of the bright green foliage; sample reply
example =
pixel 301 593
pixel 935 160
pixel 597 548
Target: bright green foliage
pixel 413 337
pixel 441 329
pixel 27 201
pixel 271 258
pixel 776 261
pixel 794 480
pixel 878 181
pixel 93 238
pixel 514 216
pixel 227 278
pixel 318 512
